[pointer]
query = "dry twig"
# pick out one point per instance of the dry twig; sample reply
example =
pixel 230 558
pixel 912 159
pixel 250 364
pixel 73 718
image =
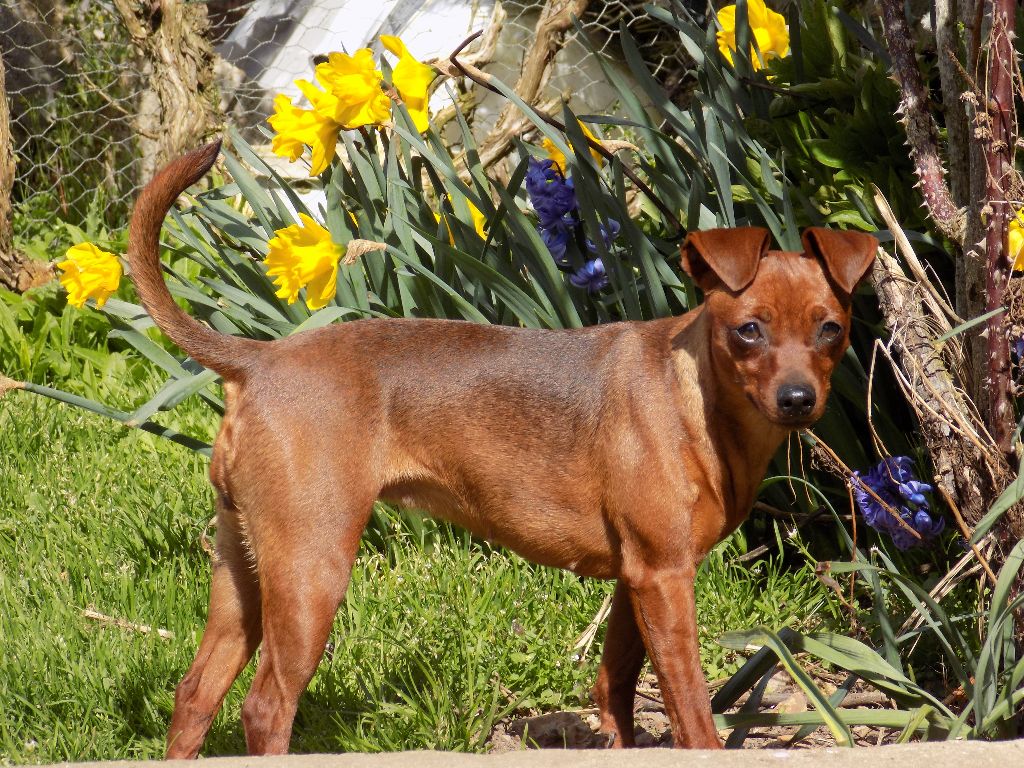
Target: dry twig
pixel 549 36
pixel 144 629
pixel 586 638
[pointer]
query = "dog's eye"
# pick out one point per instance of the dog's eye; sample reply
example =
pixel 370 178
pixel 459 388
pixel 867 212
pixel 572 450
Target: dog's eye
pixel 830 331
pixel 749 332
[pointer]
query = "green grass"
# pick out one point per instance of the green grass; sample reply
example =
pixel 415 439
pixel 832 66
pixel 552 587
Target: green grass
pixel 438 638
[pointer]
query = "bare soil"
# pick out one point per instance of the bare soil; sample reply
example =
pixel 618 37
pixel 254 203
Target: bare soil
pixel 578 729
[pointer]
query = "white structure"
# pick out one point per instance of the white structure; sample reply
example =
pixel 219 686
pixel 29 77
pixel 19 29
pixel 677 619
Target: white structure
pixel 275 43
pixel 276 40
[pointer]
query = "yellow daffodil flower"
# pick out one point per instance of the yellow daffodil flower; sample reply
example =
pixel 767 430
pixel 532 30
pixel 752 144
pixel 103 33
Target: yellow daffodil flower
pixel 1015 241
pixel 559 157
pixel 768 28
pixel 304 256
pixel 354 97
pixel 296 128
pixel 411 78
pixel 451 235
pixel 479 222
pixel 89 273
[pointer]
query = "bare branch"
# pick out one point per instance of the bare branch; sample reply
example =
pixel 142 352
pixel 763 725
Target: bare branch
pixel 144 629
pixel 548 38
pixel 605 149
pixel 481 56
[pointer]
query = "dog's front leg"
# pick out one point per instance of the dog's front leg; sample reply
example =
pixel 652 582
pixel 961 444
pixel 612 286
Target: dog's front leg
pixel 666 614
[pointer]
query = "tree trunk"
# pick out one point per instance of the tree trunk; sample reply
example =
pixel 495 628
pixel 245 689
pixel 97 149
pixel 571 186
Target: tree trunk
pixel 967 162
pixel 177 110
pixel 966 167
pixel 969 471
pixel 17 272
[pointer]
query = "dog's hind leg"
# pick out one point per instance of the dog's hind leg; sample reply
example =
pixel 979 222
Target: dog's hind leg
pixel 232 633
pixel 305 564
pixel 621 661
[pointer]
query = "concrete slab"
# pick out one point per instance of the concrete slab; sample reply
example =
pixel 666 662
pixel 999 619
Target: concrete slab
pixel 958 754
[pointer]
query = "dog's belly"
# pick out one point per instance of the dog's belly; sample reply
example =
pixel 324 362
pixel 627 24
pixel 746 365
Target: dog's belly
pixel 542 531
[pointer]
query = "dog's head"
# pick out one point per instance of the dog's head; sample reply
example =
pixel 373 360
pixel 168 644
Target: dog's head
pixel 780 320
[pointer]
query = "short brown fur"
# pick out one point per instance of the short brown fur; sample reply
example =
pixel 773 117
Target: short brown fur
pixel 624 451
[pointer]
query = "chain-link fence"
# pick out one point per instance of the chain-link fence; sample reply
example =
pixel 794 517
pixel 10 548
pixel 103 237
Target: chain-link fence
pixel 76 78
pixel 576 74
pixel 72 85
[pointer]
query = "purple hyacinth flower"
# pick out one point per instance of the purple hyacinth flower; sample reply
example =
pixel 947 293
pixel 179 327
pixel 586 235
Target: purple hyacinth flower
pixel 902 538
pixel 551 194
pixel 556 241
pixel 892 481
pixel 926 526
pixel 590 276
pixel 539 173
pixel 609 231
pixel 914 492
pixel 899 469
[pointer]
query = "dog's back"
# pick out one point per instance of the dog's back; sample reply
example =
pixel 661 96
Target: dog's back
pixel 472 423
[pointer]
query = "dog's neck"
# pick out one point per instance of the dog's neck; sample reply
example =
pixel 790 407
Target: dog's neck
pixel 740 439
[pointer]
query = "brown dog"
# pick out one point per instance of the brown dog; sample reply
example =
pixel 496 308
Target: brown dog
pixel 623 451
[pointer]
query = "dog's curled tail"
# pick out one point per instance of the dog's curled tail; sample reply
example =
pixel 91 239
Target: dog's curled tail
pixel 224 354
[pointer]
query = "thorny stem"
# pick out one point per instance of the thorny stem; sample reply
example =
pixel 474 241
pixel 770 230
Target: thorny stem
pixel 478 78
pixel 998 149
pixel 996 130
pixel 922 135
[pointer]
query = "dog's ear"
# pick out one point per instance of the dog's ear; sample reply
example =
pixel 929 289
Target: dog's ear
pixel 724 256
pixel 847 256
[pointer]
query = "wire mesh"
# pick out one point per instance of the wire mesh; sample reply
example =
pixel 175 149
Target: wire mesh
pixel 576 75
pixel 74 79
pixel 71 80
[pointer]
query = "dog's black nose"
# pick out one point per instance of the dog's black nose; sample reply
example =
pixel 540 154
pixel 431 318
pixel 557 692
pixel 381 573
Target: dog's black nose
pixel 796 400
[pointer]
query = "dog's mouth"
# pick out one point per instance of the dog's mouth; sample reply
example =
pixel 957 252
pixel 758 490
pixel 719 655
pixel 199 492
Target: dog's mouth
pixel 793 422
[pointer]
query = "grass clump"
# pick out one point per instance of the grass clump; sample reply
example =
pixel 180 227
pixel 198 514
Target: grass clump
pixel 439 637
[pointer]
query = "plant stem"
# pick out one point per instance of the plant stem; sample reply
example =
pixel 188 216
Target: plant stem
pixel 999 151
